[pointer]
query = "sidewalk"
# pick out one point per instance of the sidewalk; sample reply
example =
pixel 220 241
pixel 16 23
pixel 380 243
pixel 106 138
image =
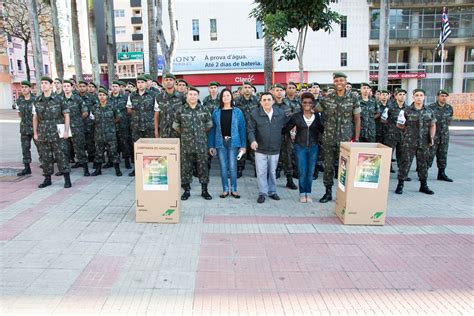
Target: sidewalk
pixel 79 250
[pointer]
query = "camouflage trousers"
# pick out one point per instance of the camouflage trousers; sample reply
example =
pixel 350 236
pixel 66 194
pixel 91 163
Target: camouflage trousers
pixel 440 151
pixel 79 144
pixel 396 146
pixel 124 138
pixel 51 151
pixel 26 147
pixel 422 160
pixel 187 161
pixel 89 135
pixel 331 156
pixel 285 162
pixel 137 134
pixel 370 139
pixel 106 143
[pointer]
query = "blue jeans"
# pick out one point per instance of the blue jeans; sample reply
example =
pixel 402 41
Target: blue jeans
pixel 228 163
pixel 306 158
pixel 266 173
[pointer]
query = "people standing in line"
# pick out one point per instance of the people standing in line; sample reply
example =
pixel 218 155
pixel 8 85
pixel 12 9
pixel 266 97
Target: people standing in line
pixel 167 103
pixel 89 101
pixel 105 117
pixel 48 111
pixel 77 112
pixel 229 137
pixel 418 123
pixel 444 115
pixel 382 104
pixel 193 122
pixel 341 112
pixel 24 107
pixel 211 102
pixel 308 129
pixel 265 127
pixel 369 113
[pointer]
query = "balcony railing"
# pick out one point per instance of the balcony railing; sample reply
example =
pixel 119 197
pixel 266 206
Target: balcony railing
pixel 137 20
pixel 137 37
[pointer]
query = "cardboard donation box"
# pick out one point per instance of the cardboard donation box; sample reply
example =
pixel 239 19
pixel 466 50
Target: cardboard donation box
pixel 157 180
pixel 362 183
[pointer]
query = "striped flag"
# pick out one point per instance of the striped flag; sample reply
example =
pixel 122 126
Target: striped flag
pixel 445 28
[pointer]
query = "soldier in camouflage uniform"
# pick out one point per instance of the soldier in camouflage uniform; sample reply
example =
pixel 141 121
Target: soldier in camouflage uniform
pixel 140 106
pixel 124 137
pixel 444 114
pixel 58 87
pixel 380 128
pixel 167 103
pixel 105 117
pixel 182 86
pixel 154 91
pixel 24 106
pixel 48 111
pixel 77 112
pixel 419 131
pixel 369 113
pixel 193 122
pixel 89 101
pixel 341 112
pixel 294 101
pixel 211 102
pixel 394 136
pixel 246 103
pixel 285 162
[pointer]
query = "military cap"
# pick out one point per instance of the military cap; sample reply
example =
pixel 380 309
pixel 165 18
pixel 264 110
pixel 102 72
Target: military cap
pixel 442 91
pixel 58 79
pixel 384 91
pixel 68 81
pixel 26 83
pixel 103 87
pixel 102 90
pixel 365 84
pixel 278 85
pixel 213 83
pixel 72 80
pixel 46 78
pixel 348 83
pixel 331 86
pixel 291 83
pixel 339 75
pixel 92 84
pixel 248 83
pixel 82 82
pixel 315 84
pixel 116 82
pixel 400 90
pixel 169 76
pixel 192 88
pixel 121 83
pixel 419 90
pixel 132 84
pixel 184 81
pixel 148 77
pixel 142 78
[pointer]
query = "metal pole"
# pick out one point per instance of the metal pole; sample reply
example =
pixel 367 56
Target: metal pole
pixel 442 67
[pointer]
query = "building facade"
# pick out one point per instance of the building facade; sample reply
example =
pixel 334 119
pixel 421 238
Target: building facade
pixel 6 98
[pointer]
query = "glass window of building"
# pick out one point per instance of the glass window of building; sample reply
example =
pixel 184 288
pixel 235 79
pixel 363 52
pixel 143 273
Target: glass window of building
pixel 119 13
pixel 120 30
pixel 259 28
pixel 213 23
pixel 343 59
pixel 343 26
pixel 195 30
pixel 19 65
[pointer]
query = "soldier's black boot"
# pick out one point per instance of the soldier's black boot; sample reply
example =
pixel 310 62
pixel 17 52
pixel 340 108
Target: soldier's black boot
pixel 118 173
pixel 187 192
pixel 239 172
pixel 399 189
pixel 391 168
pixel 132 174
pixel 278 173
pixel 59 173
pixel 25 171
pixel 424 187
pixel 46 182
pixel 109 164
pixel 441 175
pixel 316 173
pixel 327 196
pixel 76 165
pixel 290 184
pixel 98 170
pixel 336 172
pixel 67 180
pixel 204 193
pixel 127 163
pixel 85 166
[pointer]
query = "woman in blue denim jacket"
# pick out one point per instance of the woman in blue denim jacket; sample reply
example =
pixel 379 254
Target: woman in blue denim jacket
pixel 229 136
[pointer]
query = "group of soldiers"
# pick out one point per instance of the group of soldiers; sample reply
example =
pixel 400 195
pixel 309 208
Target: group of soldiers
pixel 96 125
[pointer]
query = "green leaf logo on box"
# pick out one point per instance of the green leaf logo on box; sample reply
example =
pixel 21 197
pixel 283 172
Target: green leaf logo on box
pixel 168 212
pixel 377 215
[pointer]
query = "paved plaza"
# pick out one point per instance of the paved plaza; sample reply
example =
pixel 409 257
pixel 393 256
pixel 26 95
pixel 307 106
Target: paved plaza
pixel 79 250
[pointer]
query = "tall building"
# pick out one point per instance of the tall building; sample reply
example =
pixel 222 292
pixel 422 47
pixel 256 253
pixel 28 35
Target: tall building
pixel 414 61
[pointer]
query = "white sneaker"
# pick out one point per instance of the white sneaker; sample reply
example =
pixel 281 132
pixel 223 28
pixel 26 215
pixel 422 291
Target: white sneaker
pixel 303 199
pixel 309 200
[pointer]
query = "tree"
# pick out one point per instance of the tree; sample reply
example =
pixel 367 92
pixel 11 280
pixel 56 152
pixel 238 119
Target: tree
pixel 383 44
pixel 76 40
pixel 18 17
pixel 93 42
pixel 268 61
pixel 281 17
pixel 58 53
pixel 152 38
pixel 109 38
pixel 167 50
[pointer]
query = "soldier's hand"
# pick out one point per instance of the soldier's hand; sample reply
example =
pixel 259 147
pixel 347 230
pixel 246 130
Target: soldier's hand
pixel 212 151
pixel 431 141
pixel 66 135
pixel 254 145
pixel 35 136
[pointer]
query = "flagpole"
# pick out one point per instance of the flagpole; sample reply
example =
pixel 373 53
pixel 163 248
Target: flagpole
pixel 442 67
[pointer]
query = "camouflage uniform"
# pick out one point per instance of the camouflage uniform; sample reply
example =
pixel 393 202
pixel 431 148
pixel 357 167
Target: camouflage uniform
pixel 369 109
pixel 194 125
pixel 168 105
pixel 338 115
pixel 89 101
pixel 142 120
pixel 394 136
pixel 25 107
pixel 444 115
pixel 105 136
pixel 285 162
pixel 380 128
pixel 295 104
pixel 76 107
pixel 124 137
pixel 416 141
pixel 50 112
pixel 246 106
pixel 211 104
